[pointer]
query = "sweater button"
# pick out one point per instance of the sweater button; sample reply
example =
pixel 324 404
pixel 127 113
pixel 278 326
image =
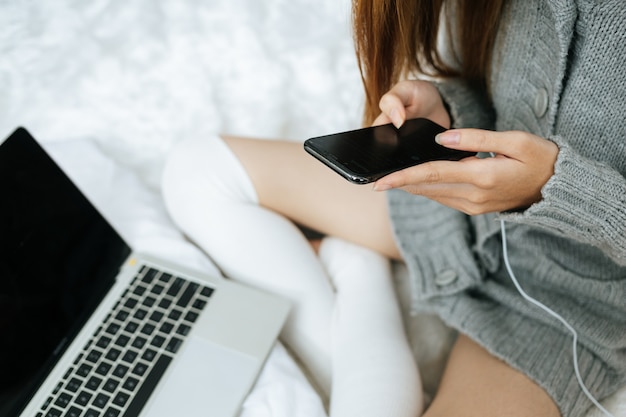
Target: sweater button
pixel 541 102
pixel 446 277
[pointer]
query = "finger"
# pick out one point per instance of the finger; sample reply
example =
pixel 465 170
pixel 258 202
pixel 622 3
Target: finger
pixel 438 172
pixel 510 143
pixel 401 96
pixel 441 191
pixel 463 197
pixel 393 108
pixel 382 119
pixel 463 205
pixel 459 204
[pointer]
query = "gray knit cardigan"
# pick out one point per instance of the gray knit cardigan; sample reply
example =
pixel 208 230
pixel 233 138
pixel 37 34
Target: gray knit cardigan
pixel 559 71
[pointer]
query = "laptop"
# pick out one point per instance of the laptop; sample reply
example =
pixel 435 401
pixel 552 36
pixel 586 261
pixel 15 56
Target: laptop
pixel 90 328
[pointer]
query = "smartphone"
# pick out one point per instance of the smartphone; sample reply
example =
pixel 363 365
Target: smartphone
pixel 364 155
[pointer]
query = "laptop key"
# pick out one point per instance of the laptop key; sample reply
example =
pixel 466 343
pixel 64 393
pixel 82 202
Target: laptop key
pixel 83 370
pixel 166 328
pixel 165 303
pixel 112 412
pixel 173 345
pixel 149 276
pixel 149 355
pixel 156 316
pixel 139 342
pixel 72 412
pixel 120 371
pixel 93 383
pixel 175 314
pixel 83 398
pixel 73 385
pixel 103 342
pixel 103 369
pixel 47 403
pixel 130 356
pixel 113 354
pixel 111 385
pixel 206 291
pixel 57 388
pixel 92 413
pixel 149 301
pixel 147 329
pixel 112 328
pixel 191 316
pixel 183 330
pixel 186 297
pixel 130 384
pixel 93 356
pixel 121 315
pixel 101 400
pixel 121 399
pixel 157 289
pixel 199 304
pixel 140 369
pixel 139 290
pixel 140 314
pixel 122 340
pixel 63 400
pixel 131 303
pixel 152 379
pixel 165 277
pixel 175 287
pixel 157 341
pixel 53 412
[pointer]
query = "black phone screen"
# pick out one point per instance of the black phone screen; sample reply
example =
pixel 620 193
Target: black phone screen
pixel 365 155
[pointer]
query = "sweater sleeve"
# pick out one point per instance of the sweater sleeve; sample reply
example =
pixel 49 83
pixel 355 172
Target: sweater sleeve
pixel 467 106
pixel 584 200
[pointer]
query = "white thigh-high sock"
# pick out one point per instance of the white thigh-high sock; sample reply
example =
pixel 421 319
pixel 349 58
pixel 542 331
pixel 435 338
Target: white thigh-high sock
pixel 210 196
pixel 374 372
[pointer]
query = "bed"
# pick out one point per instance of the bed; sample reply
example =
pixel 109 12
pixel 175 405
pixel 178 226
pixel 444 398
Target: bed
pixel 109 87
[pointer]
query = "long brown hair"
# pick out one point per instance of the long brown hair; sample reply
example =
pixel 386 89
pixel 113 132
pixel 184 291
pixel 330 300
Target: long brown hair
pixel 394 38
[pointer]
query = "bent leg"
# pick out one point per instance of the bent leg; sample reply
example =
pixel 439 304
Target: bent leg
pixel 374 372
pixel 475 383
pixel 210 197
pixel 291 182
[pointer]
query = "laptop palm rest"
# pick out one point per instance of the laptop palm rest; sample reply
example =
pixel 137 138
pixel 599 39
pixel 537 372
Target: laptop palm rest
pixel 191 386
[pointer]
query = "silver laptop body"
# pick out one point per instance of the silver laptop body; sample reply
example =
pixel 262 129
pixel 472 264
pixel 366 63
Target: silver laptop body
pixel 91 328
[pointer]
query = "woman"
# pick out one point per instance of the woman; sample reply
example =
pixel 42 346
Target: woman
pixel 540 84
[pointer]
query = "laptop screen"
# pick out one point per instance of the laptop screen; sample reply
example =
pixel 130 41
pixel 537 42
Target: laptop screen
pixel 58 258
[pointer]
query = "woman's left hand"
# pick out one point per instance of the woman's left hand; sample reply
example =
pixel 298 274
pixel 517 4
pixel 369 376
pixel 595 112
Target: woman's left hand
pixel 513 179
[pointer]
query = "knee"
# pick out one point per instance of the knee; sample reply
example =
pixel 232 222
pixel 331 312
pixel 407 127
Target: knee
pixel 202 174
pixel 180 174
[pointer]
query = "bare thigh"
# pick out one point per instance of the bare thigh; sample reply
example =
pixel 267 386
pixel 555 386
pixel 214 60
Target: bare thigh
pixel 476 383
pixel 291 182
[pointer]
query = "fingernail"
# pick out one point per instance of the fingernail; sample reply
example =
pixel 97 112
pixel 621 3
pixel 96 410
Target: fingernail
pixel 448 138
pixel 381 187
pixel 395 118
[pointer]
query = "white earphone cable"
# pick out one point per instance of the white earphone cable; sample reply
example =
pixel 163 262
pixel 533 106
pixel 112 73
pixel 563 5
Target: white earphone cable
pixel 556 316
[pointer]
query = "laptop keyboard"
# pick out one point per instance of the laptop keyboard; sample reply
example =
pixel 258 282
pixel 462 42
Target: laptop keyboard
pixel 124 360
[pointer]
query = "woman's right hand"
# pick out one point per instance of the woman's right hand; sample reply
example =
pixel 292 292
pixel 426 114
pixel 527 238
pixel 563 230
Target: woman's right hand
pixel 410 99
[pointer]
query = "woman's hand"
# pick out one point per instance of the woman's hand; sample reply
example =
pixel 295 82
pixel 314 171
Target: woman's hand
pixel 513 179
pixel 411 99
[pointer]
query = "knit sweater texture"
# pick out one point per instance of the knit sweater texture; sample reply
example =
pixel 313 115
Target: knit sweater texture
pixel 558 72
